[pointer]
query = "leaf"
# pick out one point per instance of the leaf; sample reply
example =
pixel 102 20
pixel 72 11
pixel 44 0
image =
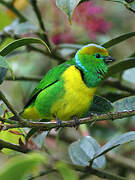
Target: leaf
pixel 121 66
pixel 18 167
pixel 3 68
pixel 3 63
pixel 101 105
pixel 128 75
pixel 84 150
pixel 67 6
pixel 12 138
pixel 118 39
pixel 3 72
pixel 125 104
pixel 21 42
pixel 129 5
pixel 65 171
pixel 122 139
pixel 39 140
pixel 7 20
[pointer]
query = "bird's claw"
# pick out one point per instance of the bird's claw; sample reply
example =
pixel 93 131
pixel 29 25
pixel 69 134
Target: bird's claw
pixel 59 123
pixel 76 122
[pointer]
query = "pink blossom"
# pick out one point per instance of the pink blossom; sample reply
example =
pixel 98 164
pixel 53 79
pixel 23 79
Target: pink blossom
pixel 65 37
pixel 91 17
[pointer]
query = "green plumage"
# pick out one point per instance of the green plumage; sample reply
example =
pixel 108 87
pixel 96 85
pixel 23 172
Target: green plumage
pixel 59 93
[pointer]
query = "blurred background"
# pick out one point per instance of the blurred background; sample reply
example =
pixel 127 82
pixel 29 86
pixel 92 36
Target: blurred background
pixel 92 22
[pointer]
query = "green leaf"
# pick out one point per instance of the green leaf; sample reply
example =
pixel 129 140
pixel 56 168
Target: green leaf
pixel 39 140
pixel 21 42
pixel 128 75
pixel 3 63
pixel 122 139
pixel 67 6
pixel 129 5
pixel 5 20
pixel 65 171
pixel 120 66
pixel 118 39
pixel 3 68
pixel 18 167
pixel 100 105
pixel 125 104
pixel 84 150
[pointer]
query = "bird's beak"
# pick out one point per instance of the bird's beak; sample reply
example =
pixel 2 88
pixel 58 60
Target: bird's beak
pixel 108 59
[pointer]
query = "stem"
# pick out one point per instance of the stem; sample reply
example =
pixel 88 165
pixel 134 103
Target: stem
pixel 40 20
pixel 117 84
pixel 4 99
pixel 121 161
pixel 15 11
pixel 50 125
pixel 5 144
pixel 23 78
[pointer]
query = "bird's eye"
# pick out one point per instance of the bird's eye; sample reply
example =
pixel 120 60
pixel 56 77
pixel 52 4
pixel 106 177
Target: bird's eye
pixel 98 56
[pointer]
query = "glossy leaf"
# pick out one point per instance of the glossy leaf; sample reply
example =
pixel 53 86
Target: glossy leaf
pixel 84 150
pixel 118 39
pixel 67 6
pixel 101 105
pixel 21 42
pixel 128 75
pixel 39 140
pixel 125 104
pixel 122 139
pixel 129 5
pixel 3 68
pixel 65 171
pixel 120 66
pixel 18 167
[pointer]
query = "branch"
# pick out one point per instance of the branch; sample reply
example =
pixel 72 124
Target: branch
pixel 117 84
pixel 5 144
pixel 121 161
pixel 98 172
pixel 53 54
pixel 89 120
pixel 23 78
pixel 40 20
pixel 4 99
pixel 14 10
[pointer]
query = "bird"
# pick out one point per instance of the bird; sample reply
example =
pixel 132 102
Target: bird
pixel 66 92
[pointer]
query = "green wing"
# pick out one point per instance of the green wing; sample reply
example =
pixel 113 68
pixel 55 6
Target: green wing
pixel 50 78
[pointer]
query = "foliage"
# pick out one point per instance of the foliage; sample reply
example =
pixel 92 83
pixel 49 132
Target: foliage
pixel 33 40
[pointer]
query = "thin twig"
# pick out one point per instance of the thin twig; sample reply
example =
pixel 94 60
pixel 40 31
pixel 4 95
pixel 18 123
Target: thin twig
pixel 117 84
pixel 5 144
pixel 40 20
pixel 23 78
pixel 4 99
pixel 121 161
pixel 14 10
pixel 50 125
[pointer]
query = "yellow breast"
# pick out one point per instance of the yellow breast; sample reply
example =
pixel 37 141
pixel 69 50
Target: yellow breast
pixel 77 98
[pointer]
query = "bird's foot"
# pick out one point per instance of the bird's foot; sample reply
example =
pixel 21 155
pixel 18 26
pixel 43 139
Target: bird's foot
pixel 59 123
pixel 76 122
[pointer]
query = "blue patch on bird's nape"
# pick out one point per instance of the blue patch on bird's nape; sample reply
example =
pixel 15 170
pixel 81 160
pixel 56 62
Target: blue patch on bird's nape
pixel 77 60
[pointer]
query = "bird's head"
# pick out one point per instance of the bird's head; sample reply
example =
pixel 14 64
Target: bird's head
pixel 93 59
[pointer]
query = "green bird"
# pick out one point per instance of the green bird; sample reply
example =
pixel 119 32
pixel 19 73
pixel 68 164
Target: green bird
pixel 67 90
